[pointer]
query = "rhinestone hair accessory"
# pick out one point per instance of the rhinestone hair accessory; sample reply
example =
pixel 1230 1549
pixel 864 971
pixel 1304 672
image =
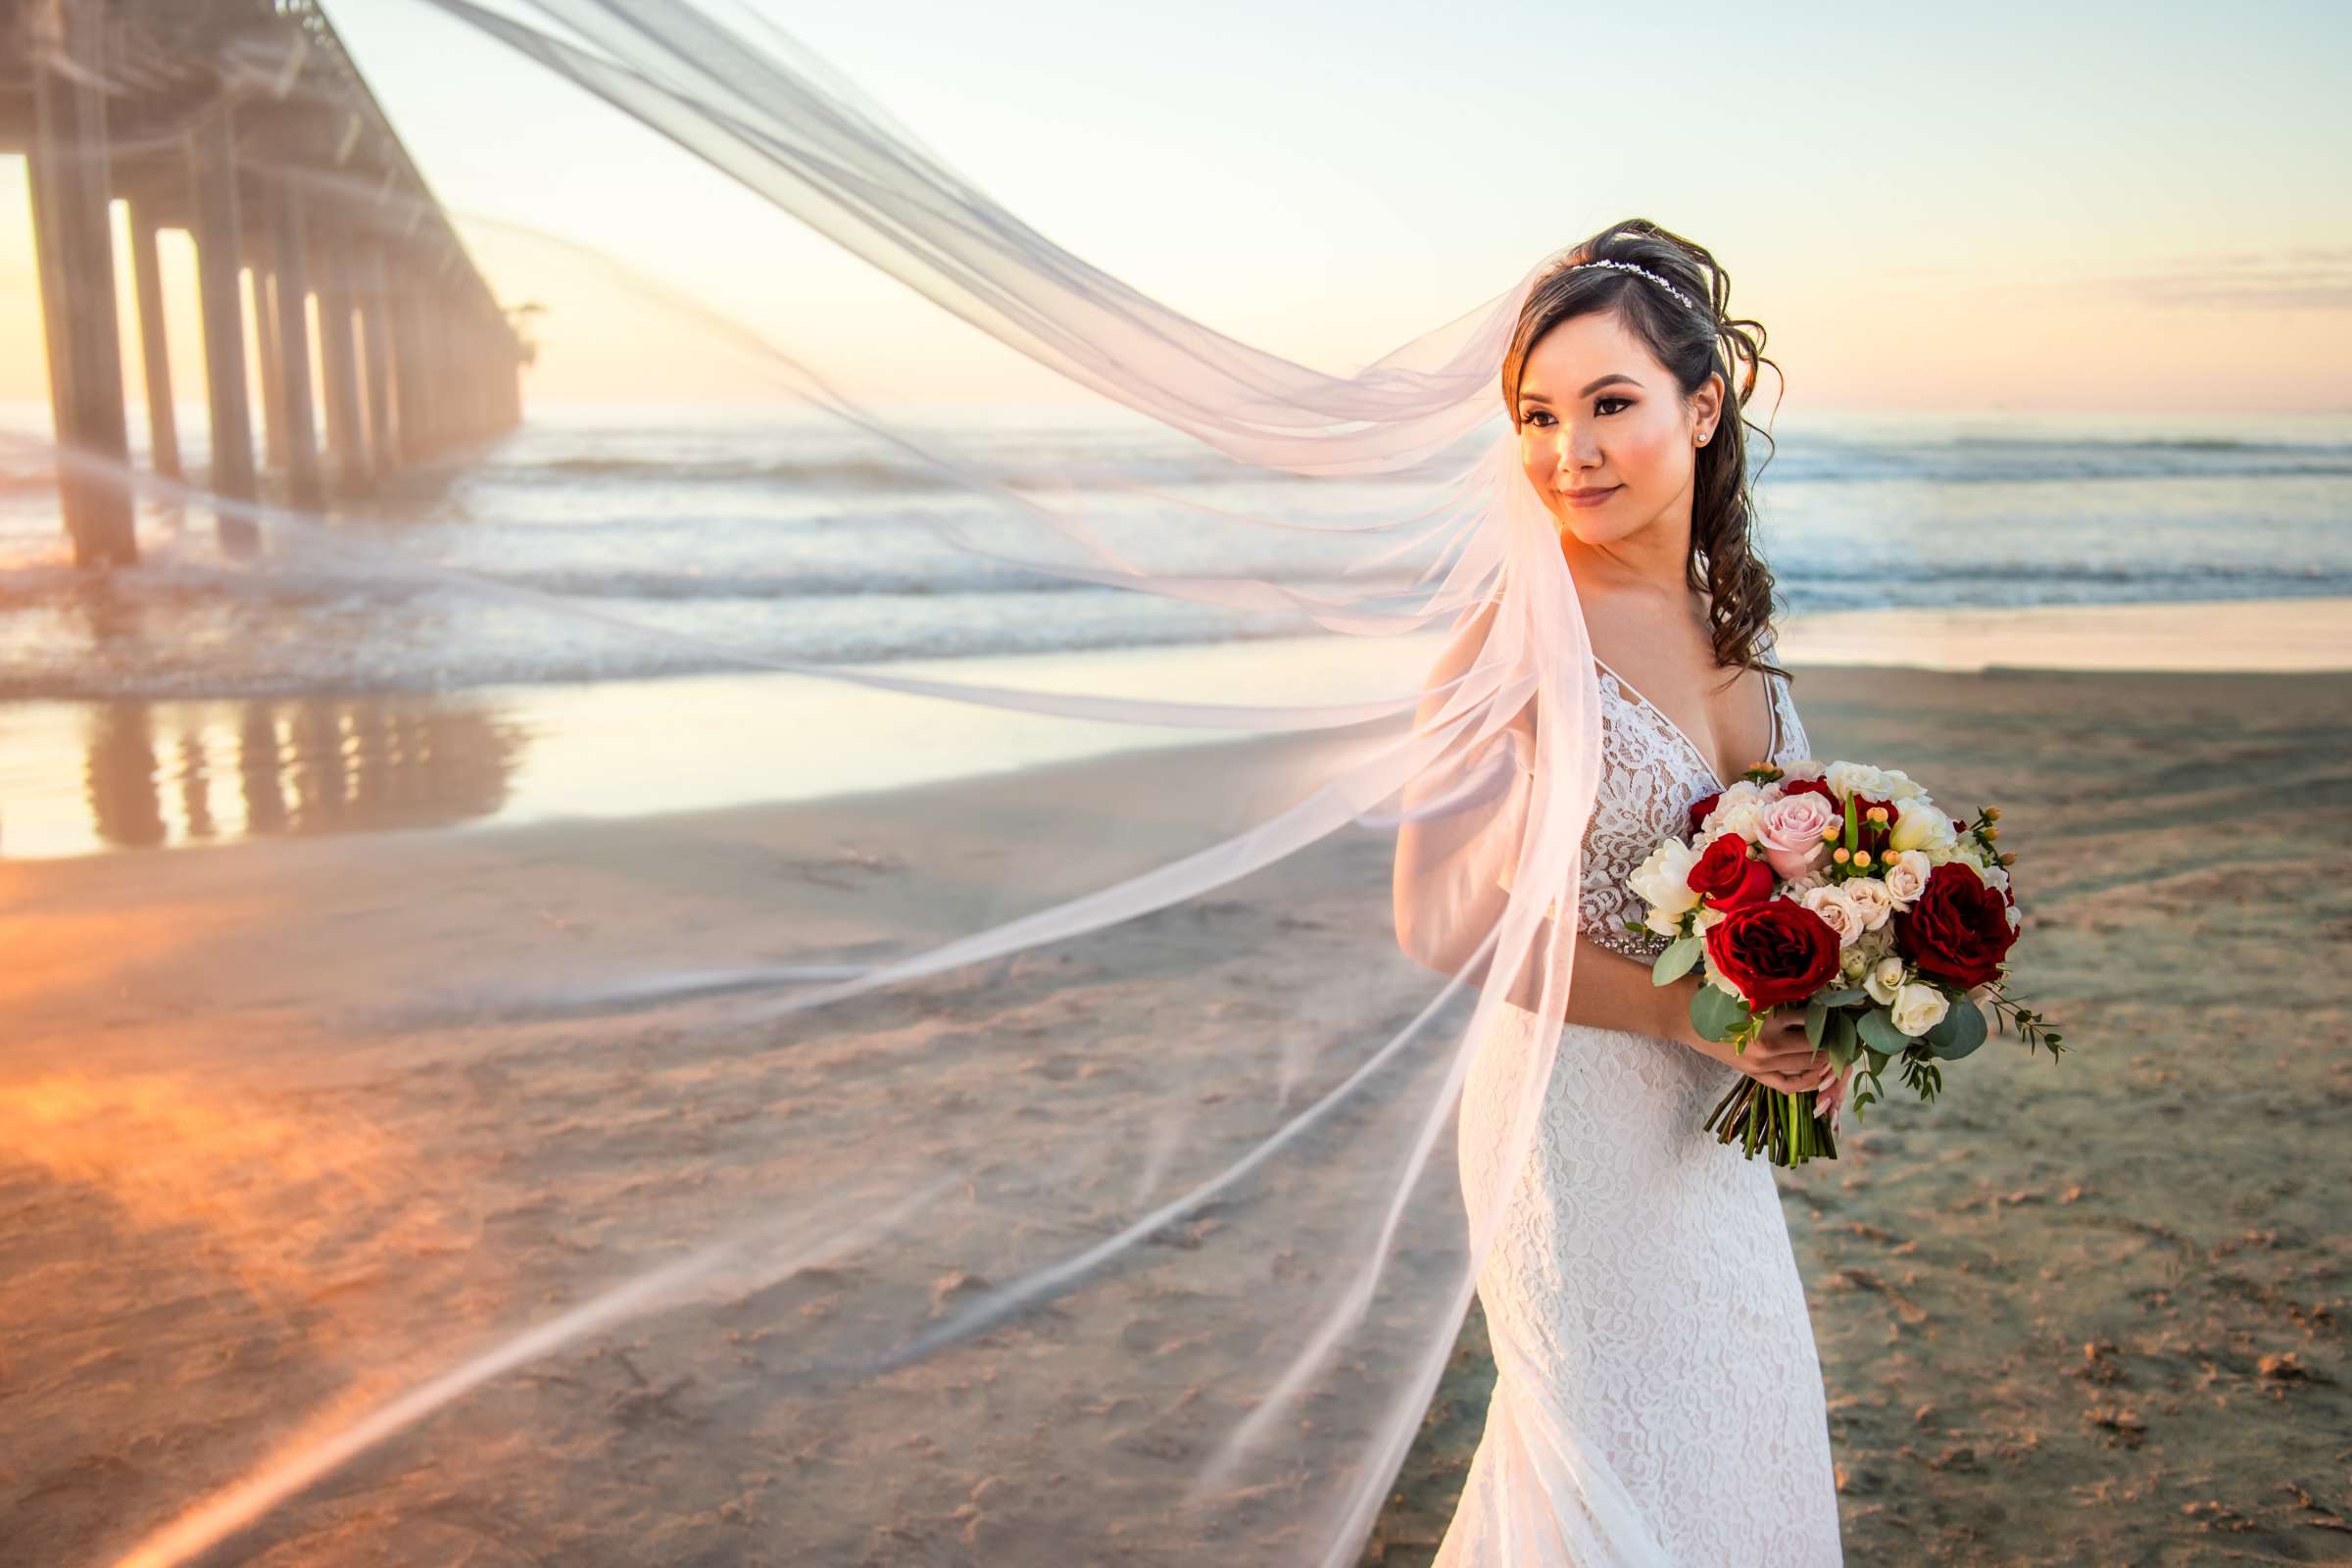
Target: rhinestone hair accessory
pixel 1628 267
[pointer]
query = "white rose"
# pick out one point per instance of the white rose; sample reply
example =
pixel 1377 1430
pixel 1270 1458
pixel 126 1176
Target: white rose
pixel 1741 796
pixel 1996 876
pixel 1710 918
pixel 1906 877
pixel 1849 779
pixel 1920 825
pixel 1868 895
pixel 2016 919
pixel 1836 911
pixel 1876 944
pixel 1663 881
pixel 1885 977
pixel 1917 1007
pixel 1745 820
pixel 1801 769
pixel 1905 787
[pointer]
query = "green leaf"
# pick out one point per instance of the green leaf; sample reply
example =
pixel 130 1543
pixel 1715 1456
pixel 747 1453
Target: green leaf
pixel 1967 1031
pixel 1854 827
pixel 1717 1014
pixel 1844 996
pixel 1817 1021
pixel 1839 1038
pixel 1677 960
pixel 1948 1028
pixel 1878 1030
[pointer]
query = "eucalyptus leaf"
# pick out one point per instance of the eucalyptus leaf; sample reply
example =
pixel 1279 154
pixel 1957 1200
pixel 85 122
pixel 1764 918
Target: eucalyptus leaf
pixel 1878 1030
pixel 1675 962
pixel 1844 996
pixel 1966 1023
pixel 1817 1022
pixel 1839 1038
pixel 1717 1014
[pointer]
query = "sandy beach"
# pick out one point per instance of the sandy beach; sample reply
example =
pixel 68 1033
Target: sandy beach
pixel 2090 1311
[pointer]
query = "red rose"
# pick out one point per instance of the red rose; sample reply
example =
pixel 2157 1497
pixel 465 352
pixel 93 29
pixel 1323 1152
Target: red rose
pixel 1862 806
pixel 1810 786
pixel 1727 877
pixel 1958 930
pixel 1700 809
pixel 1775 952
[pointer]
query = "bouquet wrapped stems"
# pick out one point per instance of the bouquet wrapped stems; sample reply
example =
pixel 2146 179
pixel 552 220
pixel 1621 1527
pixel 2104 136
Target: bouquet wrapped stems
pixel 1781 1124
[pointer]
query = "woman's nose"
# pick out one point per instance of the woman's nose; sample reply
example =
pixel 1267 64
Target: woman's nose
pixel 1579 454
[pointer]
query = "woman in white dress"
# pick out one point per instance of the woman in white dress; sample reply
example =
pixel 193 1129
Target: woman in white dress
pixel 1658 1400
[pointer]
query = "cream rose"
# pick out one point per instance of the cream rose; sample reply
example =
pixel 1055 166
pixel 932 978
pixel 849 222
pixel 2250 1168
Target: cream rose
pixel 1906 877
pixel 1836 911
pixel 1885 979
pixel 1790 830
pixel 1921 825
pixel 1868 895
pixel 1745 820
pixel 1917 1007
pixel 1742 797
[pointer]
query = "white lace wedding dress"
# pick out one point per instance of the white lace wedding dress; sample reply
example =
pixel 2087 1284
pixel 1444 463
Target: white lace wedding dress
pixel 1658 1398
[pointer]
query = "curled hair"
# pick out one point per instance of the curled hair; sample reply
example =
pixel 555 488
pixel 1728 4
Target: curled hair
pixel 1690 344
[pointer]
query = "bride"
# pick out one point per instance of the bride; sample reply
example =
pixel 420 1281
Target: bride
pixel 1657 1399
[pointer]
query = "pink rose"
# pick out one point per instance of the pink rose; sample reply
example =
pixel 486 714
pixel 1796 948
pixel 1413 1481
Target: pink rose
pixel 1790 832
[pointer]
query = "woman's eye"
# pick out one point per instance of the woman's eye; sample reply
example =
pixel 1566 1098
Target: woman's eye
pixel 1627 402
pixel 1538 418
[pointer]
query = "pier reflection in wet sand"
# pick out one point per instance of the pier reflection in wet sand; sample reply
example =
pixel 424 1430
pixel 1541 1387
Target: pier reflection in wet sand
pixel 157 774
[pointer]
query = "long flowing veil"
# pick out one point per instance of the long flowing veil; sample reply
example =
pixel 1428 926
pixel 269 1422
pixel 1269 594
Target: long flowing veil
pixel 1055 1167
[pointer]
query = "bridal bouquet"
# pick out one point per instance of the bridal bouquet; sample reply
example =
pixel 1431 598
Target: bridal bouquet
pixel 1842 889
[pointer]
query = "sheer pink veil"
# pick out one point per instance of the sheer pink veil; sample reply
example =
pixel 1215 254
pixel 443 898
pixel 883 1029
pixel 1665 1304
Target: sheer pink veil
pixel 1091 1189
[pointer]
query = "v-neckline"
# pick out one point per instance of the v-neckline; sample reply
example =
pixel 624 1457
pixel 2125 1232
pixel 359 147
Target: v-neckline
pixel 1772 720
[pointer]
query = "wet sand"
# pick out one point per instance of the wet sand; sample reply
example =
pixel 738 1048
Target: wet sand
pixel 2089 1311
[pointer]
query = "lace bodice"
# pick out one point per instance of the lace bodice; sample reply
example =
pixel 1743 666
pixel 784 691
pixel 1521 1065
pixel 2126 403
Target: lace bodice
pixel 1650 772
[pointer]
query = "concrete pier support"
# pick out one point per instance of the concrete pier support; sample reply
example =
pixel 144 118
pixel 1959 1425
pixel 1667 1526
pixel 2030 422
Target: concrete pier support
pixel 154 350
pixel 305 485
pixel 375 343
pixel 339 362
pixel 217 229
pixel 76 258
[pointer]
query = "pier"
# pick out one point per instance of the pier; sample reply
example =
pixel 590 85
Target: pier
pixel 246 125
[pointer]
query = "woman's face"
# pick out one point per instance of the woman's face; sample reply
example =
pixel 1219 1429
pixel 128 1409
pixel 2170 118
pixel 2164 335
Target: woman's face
pixel 1598 414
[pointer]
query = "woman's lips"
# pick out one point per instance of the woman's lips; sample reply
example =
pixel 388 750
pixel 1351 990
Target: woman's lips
pixel 1588 498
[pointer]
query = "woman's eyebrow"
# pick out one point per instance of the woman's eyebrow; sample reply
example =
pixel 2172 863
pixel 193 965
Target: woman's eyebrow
pixel 1590 387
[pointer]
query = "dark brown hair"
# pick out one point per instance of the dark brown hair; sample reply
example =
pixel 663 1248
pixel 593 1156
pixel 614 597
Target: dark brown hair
pixel 1689 343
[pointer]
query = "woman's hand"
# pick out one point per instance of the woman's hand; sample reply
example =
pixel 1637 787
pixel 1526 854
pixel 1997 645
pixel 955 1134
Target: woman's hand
pixel 1832 1098
pixel 1780 1058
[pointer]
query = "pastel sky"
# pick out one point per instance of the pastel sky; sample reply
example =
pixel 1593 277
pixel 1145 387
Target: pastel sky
pixel 2085 207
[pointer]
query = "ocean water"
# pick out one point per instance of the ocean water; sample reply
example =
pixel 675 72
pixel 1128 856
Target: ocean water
pixel 623 544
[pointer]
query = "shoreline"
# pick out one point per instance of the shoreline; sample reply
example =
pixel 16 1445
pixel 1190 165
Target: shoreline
pixel 92 777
